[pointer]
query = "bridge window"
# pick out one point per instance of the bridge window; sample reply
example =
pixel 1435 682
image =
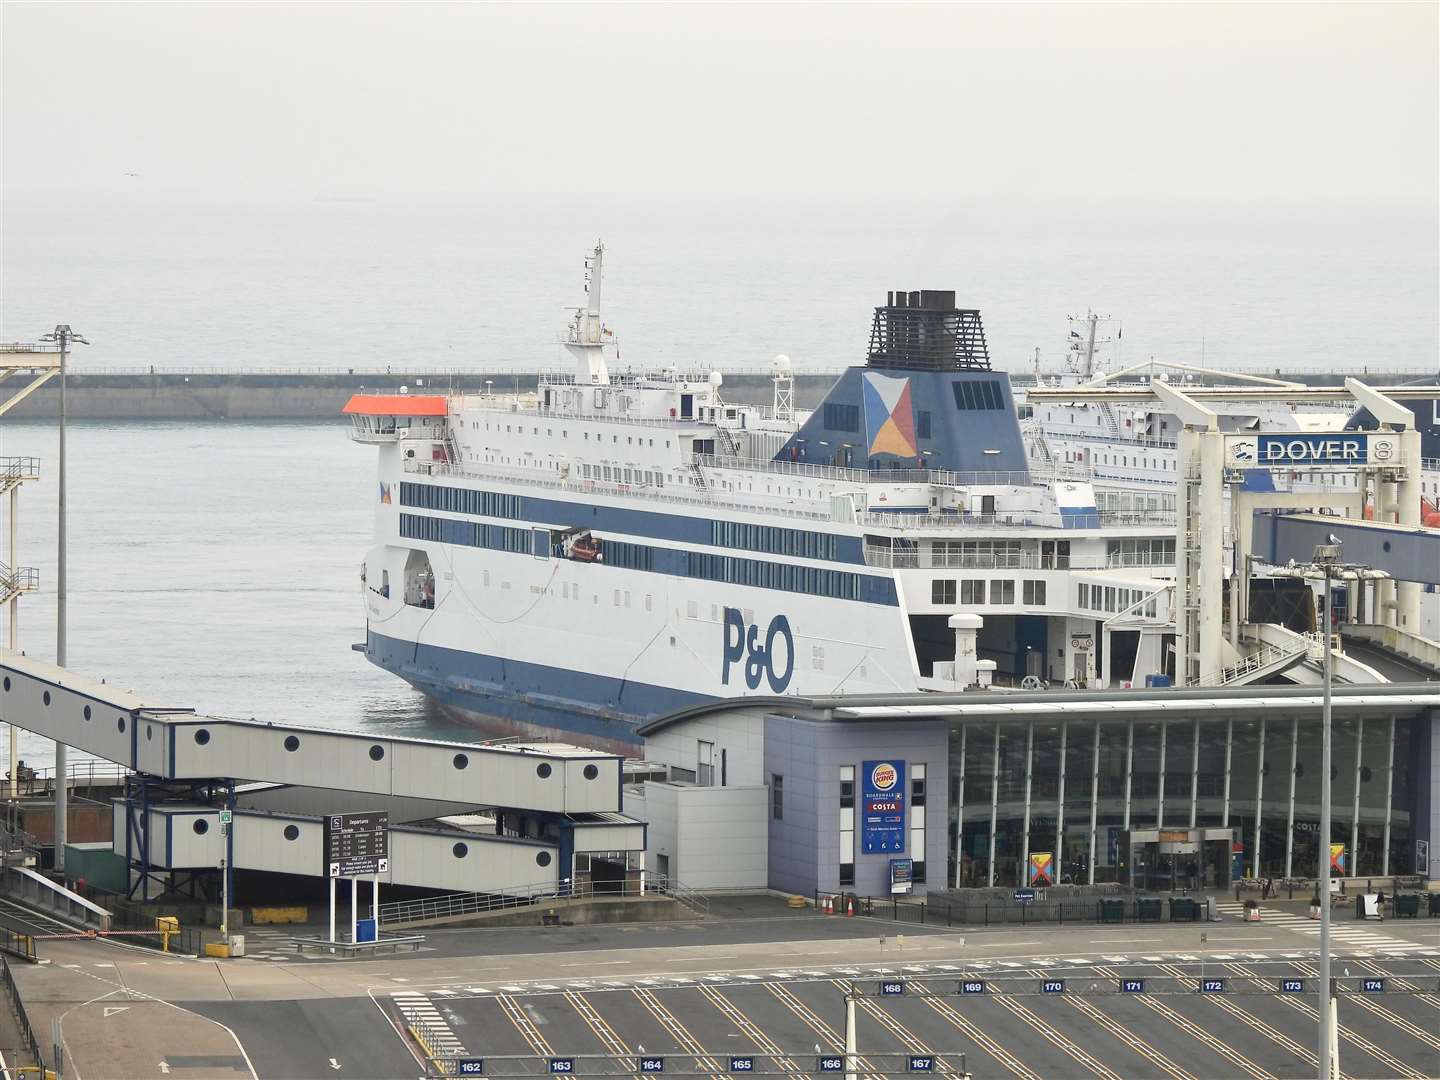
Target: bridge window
pixel 460 851
pixel 543 770
pixel 591 772
pixel 377 752
pixel 840 417
pixel 292 743
pixel 292 832
pixel 542 858
pixel 87 712
pixel 120 723
pixel 47 697
pixel 202 737
pixel 460 761
pixel 201 826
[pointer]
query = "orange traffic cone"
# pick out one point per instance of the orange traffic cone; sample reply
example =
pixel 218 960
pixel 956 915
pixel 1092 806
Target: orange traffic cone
pixel 850 907
pixel 829 905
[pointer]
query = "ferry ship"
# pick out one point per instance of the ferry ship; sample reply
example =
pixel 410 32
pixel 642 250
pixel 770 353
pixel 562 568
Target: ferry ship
pixel 619 545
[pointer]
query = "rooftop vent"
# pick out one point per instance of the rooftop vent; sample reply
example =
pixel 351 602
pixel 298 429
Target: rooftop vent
pixel 925 331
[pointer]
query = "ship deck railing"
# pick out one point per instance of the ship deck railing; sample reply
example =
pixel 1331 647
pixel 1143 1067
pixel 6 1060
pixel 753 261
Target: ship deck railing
pixel 624 379
pixel 785 507
pixel 938 477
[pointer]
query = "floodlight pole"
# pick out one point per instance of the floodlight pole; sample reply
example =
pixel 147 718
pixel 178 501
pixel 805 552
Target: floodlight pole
pixel 62 336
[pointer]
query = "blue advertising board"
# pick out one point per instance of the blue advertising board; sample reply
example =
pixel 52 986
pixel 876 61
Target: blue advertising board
pixel 882 807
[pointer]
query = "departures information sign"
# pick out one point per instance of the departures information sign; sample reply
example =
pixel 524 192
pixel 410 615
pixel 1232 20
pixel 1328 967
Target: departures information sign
pixel 357 844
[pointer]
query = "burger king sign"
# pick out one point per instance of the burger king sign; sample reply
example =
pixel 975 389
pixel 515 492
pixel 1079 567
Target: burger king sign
pixel 882 799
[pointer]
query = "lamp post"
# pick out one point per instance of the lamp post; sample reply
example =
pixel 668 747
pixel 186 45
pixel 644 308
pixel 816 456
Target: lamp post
pixel 62 336
pixel 1327 558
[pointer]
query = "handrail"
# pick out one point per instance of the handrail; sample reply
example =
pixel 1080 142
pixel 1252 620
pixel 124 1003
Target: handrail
pixel 31 1045
pixel 453 905
pixel 1262 657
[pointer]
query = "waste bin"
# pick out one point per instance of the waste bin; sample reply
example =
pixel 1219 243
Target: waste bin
pixel 364 930
pixel 1112 911
pixel 1407 906
pixel 1147 909
pixel 1184 909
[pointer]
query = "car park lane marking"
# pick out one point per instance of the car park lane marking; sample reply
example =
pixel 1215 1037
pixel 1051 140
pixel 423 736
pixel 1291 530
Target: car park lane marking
pixel 966 1027
pixel 1200 1034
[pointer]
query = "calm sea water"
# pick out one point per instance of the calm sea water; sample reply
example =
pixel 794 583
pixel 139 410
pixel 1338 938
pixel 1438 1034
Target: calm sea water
pixel 212 566
pixel 215 565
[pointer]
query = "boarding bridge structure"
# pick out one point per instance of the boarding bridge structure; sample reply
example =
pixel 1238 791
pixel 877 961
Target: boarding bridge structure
pixel 526 810
pixel 1387 464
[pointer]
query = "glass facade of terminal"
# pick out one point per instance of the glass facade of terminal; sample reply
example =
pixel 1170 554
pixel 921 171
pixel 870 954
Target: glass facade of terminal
pixel 1077 789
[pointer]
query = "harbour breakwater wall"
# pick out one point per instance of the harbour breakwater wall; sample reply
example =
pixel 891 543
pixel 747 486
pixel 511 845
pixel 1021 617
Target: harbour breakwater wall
pixel 320 395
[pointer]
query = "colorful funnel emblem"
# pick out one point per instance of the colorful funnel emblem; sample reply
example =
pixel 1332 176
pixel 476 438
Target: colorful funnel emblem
pixel 889 416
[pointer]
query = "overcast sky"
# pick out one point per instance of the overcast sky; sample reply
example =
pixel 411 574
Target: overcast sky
pixel 1291 104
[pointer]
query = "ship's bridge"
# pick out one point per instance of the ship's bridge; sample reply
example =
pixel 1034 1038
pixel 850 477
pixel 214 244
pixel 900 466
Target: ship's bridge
pixel 388 418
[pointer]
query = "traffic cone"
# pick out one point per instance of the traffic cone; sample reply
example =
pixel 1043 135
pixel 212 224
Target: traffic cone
pixel 829 906
pixel 850 907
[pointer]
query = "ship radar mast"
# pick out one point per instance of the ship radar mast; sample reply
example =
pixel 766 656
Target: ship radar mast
pixel 586 335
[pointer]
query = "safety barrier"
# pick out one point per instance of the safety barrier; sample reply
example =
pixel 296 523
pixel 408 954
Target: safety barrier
pixel 29 1044
pixel 452 905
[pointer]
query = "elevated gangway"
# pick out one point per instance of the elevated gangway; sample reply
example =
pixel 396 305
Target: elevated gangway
pixel 1409 656
pixel 1308 668
pixel 180 745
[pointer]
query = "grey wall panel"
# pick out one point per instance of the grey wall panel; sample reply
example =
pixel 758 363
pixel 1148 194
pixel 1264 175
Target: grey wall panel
pixel 492 865
pixel 609 837
pixel 592 785
pixel 317 802
pixel 262 843
pixel 107 730
pixel 805 846
pixel 722 837
pixel 740 734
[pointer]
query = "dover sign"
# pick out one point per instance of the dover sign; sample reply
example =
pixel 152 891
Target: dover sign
pixel 1339 449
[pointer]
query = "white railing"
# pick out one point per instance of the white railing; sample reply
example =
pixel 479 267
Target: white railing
pixel 713 496
pixel 458 905
pixel 1262 657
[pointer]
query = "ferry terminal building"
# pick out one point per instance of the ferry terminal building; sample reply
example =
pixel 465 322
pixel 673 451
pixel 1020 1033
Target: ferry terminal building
pixel 1158 789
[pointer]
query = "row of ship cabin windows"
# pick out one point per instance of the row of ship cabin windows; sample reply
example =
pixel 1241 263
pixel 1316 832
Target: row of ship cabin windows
pixel 519 429
pixel 1111 598
pixel 972 591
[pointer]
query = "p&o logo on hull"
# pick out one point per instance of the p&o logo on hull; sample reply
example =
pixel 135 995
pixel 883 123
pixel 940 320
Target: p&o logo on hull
pixel 743 645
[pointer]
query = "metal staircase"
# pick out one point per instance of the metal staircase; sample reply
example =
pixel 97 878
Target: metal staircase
pixel 1112 425
pixel 14 582
pixel 1268 659
pixel 699 475
pixel 16 470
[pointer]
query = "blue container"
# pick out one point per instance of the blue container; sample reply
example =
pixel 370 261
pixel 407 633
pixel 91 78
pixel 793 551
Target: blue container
pixel 364 930
pixel 1152 681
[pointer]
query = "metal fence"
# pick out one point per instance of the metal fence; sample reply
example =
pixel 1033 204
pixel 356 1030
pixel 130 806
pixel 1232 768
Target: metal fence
pixel 29 1045
pixel 453 905
pixel 950 911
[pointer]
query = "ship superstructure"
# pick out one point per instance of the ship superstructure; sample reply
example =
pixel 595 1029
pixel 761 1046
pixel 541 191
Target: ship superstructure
pixel 622 544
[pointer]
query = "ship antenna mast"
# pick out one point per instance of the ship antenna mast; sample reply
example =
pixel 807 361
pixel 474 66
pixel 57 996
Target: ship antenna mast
pixel 586 334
